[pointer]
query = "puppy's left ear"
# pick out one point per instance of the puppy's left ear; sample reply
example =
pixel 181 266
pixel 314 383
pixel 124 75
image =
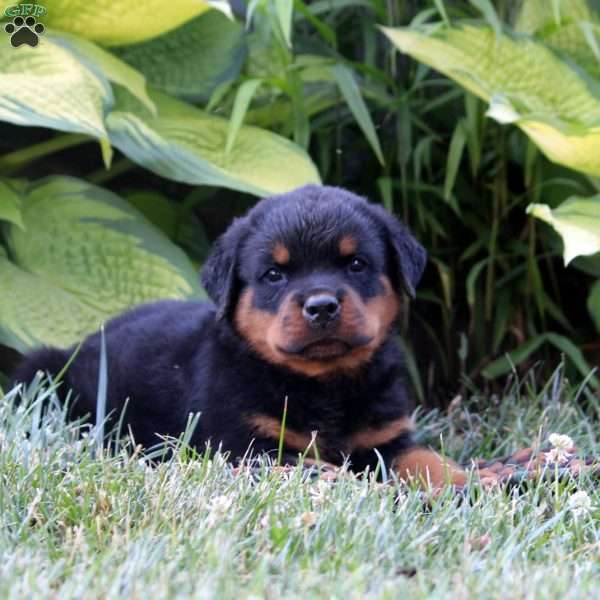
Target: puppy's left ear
pixel 220 271
pixel 409 257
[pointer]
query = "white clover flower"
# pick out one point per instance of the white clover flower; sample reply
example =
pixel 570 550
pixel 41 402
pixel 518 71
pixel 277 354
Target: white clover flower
pixel 220 505
pixel 319 494
pixel 580 503
pixel 560 451
pixel 557 456
pixel 561 441
pixel 219 509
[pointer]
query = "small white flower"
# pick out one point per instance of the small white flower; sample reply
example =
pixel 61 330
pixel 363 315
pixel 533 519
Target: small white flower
pixel 218 509
pixel 557 456
pixel 560 441
pixel 319 494
pixel 560 452
pixel 220 505
pixel 580 503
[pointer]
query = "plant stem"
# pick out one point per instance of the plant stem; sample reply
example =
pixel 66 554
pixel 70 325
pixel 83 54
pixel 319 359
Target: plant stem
pixel 118 168
pixel 19 158
pixel 499 204
pixel 282 433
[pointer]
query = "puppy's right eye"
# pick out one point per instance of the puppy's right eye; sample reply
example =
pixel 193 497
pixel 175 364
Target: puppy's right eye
pixel 274 276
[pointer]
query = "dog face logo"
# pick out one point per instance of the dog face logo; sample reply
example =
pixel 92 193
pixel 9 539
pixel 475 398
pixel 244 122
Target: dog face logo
pixel 312 279
pixel 24 29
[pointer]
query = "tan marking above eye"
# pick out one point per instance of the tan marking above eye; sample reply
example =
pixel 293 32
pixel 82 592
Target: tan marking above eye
pixel 281 255
pixel 348 245
pixel 270 427
pixel 429 468
pixel 371 437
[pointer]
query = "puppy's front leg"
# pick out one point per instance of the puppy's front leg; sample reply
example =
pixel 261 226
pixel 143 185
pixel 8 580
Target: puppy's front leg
pixel 428 468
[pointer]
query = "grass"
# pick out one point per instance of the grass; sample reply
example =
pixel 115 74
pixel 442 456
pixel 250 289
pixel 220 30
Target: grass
pixel 76 521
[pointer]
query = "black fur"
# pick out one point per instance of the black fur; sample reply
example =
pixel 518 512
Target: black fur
pixel 172 358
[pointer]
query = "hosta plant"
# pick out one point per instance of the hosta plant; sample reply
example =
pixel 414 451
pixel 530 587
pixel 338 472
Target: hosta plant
pixel 77 254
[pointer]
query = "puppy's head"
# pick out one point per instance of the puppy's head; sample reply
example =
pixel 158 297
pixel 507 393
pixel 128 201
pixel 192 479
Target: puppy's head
pixel 312 279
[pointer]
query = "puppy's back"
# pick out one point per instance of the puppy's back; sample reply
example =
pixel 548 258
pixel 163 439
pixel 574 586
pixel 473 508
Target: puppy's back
pixel 150 351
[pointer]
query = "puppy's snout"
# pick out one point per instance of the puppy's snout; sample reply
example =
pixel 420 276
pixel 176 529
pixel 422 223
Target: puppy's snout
pixel 321 310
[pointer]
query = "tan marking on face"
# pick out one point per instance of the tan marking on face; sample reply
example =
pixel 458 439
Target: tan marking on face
pixel 281 255
pixel 372 437
pixel 429 468
pixel 348 245
pixel 270 427
pixel 266 332
pixel 254 325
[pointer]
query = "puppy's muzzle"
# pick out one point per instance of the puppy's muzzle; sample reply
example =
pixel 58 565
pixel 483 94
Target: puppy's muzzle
pixel 321 310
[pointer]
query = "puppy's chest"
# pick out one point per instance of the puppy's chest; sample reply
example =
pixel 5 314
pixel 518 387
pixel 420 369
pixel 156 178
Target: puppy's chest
pixel 333 425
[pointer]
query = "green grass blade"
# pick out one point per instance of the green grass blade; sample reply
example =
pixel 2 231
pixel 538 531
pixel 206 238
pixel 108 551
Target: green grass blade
pixel 285 10
pixel 101 396
pixel 455 153
pixel 351 93
pixel 243 98
pixel 574 354
pixel 489 14
pixel 504 365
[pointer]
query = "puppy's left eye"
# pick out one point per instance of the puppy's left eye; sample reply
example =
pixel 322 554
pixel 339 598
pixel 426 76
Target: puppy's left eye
pixel 274 276
pixel 357 264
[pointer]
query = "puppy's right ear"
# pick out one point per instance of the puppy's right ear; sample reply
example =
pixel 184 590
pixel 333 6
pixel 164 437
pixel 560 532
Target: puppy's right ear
pixel 220 276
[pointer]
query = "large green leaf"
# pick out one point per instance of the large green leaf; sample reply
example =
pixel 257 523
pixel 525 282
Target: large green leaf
pixel 113 22
pixel 528 84
pixel 186 144
pixel 47 86
pixel 577 221
pixel 192 60
pixel 571 31
pixel 33 311
pixel 107 66
pixel 84 256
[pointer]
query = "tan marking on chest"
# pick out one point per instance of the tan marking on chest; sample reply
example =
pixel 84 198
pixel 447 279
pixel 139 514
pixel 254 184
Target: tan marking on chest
pixel 270 427
pixel 372 437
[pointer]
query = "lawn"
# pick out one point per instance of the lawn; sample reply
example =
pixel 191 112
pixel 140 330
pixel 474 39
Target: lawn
pixel 77 522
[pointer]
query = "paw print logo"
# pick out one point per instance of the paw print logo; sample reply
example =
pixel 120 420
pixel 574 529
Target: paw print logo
pixel 24 31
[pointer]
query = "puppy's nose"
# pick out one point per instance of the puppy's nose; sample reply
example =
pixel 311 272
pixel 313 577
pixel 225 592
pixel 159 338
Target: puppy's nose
pixel 321 309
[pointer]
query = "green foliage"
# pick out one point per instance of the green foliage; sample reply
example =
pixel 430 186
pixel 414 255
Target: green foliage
pixel 174 139
pixel 191 101
pixel 186 144
pixel 170 63
pixel 577 221
pixel 52 89
pixel 525 82
pixel 541 77
pixel 113 22
pixel 81 256
pixel 10 207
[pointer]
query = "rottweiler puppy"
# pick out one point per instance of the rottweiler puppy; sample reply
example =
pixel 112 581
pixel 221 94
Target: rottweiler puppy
pixel 306 288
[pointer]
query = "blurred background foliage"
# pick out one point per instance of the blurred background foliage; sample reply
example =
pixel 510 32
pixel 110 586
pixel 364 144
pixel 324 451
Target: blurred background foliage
pixel 129 138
